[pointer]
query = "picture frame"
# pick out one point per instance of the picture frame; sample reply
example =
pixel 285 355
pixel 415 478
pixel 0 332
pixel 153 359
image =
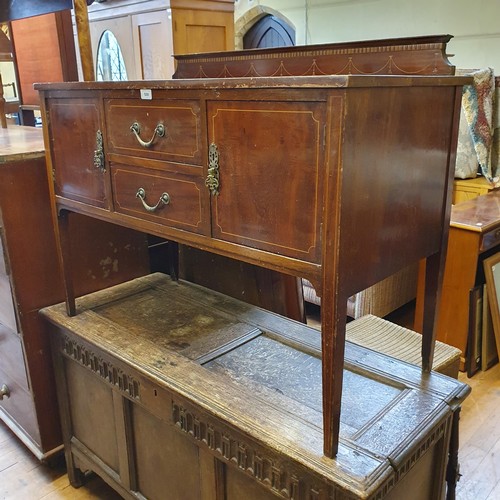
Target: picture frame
pixel 474 337
pixel 489 354
pixel 491 266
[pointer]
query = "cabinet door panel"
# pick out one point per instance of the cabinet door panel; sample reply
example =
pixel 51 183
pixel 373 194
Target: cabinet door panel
pixel 270 167
pixel 74 125
pixel 92 414
pixel 165 459
pixel 239 486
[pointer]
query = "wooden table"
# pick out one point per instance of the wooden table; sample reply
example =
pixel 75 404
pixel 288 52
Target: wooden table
pixel 467 189
pixel 474 235
pixel 168 386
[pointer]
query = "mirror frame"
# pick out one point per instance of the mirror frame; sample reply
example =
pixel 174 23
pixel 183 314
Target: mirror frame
pixel 493 292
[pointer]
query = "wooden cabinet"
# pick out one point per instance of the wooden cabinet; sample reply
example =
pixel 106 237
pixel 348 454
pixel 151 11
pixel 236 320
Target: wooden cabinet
pixel 30 278
pixel 150 32
pixel 170 387
pixel 474 235
pixel 467 189
pixel 44 51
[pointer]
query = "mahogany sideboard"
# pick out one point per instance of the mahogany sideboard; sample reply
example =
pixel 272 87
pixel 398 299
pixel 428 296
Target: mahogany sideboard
pixel 420 55
pixel 342 180
pixel 171 390
pixel 30 278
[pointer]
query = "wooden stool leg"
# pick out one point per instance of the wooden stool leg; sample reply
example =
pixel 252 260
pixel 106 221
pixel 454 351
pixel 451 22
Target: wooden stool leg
pixel 453 468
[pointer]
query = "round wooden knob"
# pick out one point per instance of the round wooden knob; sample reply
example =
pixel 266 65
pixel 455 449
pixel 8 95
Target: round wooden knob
pixel 4 392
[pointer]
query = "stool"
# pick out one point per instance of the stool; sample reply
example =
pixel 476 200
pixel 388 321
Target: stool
pixel 383 336
pixel 393 340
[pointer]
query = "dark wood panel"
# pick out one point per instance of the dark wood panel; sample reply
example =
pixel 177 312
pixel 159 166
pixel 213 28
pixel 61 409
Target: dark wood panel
pixel 75 124
pixel 169 198
pixel 408 56
pixel 37 365
pixel 396 157
pixel 164 460
pixel 269 183
pixel 95 430
pixel 45 52
pixel 12 357
pixel 277 292
pixel 181 141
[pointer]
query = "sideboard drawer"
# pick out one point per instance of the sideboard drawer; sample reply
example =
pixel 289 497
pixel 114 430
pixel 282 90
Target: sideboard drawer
pixel 12 357
pixel 168 129
pixel 490 239
pixel 169 198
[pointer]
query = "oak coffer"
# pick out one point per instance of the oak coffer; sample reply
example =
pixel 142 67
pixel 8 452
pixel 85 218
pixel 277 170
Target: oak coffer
pixel 170 387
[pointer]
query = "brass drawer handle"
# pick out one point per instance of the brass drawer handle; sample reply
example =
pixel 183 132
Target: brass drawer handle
pixel 4 392
pixel 159 132
pixel 164 200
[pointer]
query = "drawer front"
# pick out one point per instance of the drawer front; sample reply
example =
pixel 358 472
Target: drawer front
pixel 490 239
pixel 169 130
pixel 138 188
pixel 7 308
pixel 12 358
pixel 19 407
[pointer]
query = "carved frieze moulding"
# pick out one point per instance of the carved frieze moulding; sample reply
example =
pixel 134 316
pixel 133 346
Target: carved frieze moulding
pixel 114 376
pixel 272 471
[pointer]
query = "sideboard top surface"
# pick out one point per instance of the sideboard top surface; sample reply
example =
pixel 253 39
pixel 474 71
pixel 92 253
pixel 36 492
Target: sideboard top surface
pixel 261 373
pixel 299 82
